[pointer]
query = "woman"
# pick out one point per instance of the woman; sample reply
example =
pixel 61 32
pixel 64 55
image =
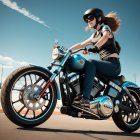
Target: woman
pixel 103 43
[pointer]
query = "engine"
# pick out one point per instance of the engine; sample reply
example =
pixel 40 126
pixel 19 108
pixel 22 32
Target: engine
pixel 102 106
pixel 76 82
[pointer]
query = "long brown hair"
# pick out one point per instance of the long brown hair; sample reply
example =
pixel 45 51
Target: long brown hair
pixel 113 21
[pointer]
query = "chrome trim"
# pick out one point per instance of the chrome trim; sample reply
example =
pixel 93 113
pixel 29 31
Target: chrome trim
pixel 102 106
pixel 89 112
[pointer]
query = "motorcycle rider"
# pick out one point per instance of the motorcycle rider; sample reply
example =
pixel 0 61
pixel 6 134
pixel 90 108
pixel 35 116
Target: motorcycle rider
pixel 103 43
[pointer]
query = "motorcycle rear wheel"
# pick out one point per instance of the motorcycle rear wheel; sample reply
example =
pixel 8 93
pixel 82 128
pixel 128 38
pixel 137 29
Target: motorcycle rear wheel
pixel 128 121
pixel 17 96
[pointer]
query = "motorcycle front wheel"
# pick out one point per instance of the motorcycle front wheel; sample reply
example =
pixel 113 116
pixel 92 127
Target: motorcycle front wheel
pixel 17 96
pixel 126 120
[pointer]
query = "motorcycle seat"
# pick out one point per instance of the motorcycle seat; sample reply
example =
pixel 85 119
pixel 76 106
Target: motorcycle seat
pixel 118 79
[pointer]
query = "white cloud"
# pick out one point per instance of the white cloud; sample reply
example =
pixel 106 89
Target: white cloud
pixel 8 62
pixel 13 5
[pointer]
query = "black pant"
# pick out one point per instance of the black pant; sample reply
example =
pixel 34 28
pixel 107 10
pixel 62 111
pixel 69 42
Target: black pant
pixel 106 67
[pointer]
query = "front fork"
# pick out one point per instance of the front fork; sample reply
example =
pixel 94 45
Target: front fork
pixel 55 73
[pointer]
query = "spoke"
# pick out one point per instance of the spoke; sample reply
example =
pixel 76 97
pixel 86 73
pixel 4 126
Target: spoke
pixel 46 106
pixel 137 114
pixel 21 90
pixel 37 80
pixel 47 96
pixel 16 101
pixel 21 109
pixel 25 81
pixel 35 77
pixel 31 79
pixel 41 109
pixel 126 99
pixel 42 83
pixel 26 112
pixel 34 113
pixel 127 119
pixel 34 105
pixel 134 115
pixel 123 99
pixel 123 116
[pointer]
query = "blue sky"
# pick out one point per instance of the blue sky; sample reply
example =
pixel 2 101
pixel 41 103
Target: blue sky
pixel 28 30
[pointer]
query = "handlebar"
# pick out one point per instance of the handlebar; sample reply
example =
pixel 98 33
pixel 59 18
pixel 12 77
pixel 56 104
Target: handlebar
pixel 82 49
pixel 85 51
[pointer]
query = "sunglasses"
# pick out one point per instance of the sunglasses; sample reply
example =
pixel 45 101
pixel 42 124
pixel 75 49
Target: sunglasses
pixel 89 18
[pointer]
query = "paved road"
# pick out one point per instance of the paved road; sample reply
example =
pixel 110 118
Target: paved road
pixel 61 127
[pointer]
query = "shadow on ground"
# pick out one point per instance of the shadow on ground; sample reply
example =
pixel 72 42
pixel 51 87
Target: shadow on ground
pixel 85 132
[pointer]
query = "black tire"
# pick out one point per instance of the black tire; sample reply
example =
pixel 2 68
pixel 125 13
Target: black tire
pixel 125 120
pixel 36 112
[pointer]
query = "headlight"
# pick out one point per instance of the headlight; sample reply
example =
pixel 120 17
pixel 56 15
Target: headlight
pixel 58 53
pixel 55 53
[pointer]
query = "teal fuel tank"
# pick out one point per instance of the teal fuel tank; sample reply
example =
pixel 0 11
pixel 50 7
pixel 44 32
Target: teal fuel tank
pixel 77 63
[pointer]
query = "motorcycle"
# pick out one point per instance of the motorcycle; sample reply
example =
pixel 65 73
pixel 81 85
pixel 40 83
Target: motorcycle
pixel 30 93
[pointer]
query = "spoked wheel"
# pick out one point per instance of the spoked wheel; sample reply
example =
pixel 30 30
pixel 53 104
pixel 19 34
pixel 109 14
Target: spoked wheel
pixel 20 96
pixel 128 121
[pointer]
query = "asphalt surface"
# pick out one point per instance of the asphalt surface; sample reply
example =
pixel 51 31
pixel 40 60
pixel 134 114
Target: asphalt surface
pixel 62 127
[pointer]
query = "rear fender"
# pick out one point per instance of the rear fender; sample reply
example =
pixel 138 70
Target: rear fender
pixel 129 84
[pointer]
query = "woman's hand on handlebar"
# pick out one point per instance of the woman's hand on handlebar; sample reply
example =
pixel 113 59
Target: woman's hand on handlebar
pixel 90 50
pixel 93 50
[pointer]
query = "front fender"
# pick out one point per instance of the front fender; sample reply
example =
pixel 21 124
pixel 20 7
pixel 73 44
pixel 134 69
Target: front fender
pixel 46 70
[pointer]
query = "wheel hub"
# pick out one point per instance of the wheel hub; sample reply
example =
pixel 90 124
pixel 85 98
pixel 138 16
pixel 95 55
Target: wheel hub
pixel 31 97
